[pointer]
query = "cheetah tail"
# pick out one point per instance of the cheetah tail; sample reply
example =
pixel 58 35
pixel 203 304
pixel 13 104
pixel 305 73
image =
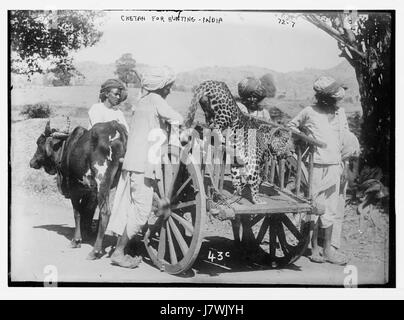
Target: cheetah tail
pixel 193 107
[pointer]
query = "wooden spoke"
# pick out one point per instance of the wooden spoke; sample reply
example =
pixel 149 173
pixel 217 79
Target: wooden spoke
pixel 263 230
pixel 186 224
pixel 175 170
pixel 183 205
pixel 160 187
pixel 282 238
pixel 173 255
pixel 256 219
pixel 153 228
pixel 235 224
pixel 181 189
pixel 177 234
pixel 292 228
pixel 162 243
pixel 272 239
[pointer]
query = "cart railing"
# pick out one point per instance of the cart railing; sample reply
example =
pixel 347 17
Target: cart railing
pixel 293 174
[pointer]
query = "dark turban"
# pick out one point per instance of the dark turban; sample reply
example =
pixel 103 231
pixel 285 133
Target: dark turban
pixel 113 84
pixel 268 83
pixel 251 88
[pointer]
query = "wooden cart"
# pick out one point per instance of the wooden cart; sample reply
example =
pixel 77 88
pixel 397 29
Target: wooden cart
pixel 193 188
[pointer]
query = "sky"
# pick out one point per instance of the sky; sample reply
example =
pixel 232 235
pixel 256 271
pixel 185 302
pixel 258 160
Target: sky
pixel 240 39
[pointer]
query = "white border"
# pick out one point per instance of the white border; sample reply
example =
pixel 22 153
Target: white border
pixel 203 293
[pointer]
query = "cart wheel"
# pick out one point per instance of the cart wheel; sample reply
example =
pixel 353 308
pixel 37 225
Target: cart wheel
pixel 174 239
pixel 276 239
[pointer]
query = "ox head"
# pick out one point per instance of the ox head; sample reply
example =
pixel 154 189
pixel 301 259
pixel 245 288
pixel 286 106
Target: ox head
pixel 44 156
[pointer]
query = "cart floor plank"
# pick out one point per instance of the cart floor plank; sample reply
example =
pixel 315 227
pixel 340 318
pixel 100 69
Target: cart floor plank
pixel 275 201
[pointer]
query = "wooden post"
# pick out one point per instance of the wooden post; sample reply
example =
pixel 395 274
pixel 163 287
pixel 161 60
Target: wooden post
pixel 273 167
pixel 282 174
pixel 311 165
pixel 222 169
pixel 266 171
pixel 299 169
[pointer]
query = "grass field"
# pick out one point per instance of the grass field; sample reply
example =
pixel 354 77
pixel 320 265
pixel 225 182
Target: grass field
pixel 75 101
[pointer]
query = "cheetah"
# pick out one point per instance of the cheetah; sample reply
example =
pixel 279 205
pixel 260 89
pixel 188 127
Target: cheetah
pixel 254 147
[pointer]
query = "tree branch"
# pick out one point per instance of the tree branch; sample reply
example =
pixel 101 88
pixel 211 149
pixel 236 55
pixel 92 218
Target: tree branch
pixel 350 36
pixel 344 54
pixel 333 33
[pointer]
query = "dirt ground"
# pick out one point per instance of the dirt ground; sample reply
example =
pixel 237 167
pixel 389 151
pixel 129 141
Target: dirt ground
pixel 41 230
pixel 42 226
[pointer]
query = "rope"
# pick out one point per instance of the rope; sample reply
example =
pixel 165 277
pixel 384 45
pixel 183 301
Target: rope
pixel 227 201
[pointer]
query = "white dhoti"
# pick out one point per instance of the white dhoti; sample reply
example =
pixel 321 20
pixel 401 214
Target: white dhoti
pixel 339 218
pixel 350 148
pixel 326 183
pixel 132 204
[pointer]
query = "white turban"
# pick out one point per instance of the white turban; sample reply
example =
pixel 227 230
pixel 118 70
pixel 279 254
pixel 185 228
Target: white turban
pixel 328 86
pixel 154 78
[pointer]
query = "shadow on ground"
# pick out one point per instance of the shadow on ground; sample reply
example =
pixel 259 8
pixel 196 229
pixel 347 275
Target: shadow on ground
pixel 217 255
pixel 68 233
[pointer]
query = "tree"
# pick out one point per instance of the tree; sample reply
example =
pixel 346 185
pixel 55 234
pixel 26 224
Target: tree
pixel 365 42
pixel 63 74
pixel 125 69
pixel 41 40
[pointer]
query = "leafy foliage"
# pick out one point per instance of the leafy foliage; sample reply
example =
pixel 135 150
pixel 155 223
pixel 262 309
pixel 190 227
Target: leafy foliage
pixel 37 110
pixel 63 73
pixel 365 41
pixel 125 69
pixel 40 39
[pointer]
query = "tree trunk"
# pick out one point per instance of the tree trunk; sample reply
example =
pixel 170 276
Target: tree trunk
pixel 368 51
pixel 377 100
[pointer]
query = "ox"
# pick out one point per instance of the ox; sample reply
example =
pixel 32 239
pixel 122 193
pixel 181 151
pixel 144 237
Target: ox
pixel 87 164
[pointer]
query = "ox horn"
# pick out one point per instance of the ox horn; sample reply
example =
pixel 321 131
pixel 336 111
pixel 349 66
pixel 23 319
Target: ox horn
pixel 47 128
pixel 59 135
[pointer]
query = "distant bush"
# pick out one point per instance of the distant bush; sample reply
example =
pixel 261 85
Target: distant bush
pixel 355 123
pixel 37 110
pixel 181 88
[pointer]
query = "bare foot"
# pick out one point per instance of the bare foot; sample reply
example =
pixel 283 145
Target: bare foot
pixel 316 257
pixel 334 257
pixel 75 243
pixel 95 254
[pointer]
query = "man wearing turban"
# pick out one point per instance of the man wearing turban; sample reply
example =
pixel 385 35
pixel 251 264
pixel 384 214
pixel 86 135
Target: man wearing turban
pixel 350 151
pixel 327 123
pixel 133 199
pixel 252 92
pixel 112 93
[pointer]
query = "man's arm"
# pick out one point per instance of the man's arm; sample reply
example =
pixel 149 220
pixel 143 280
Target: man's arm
pixel 94 116
pixel 298 122
pixel 166 112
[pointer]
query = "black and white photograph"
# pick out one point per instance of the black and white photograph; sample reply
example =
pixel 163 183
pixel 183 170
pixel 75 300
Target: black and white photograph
pixel 201 148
